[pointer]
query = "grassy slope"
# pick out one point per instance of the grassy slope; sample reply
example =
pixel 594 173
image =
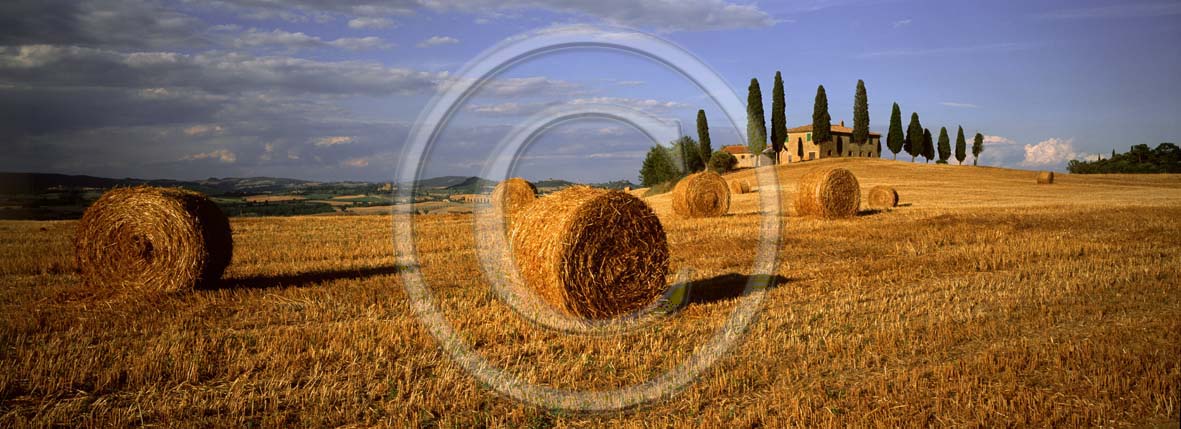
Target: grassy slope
pixel 988 300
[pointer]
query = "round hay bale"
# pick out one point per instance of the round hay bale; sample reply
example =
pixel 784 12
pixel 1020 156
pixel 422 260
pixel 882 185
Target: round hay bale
pixel 512 195
pixel 1045 178
pixel 739 187
pixel 158 239
pixel 703 194
pixel 828 193
pixel 591 253
pixel 883 197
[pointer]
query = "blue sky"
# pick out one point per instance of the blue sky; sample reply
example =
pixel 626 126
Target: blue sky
pixel 328 90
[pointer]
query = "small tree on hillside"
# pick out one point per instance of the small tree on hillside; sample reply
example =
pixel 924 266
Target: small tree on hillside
pixel 658 167
pixel 821 121
pixel 756 123
pixel 860 115
pixel 895 139
pixel 960 146
pixel 944 146
pixel 978 147
pixel 914 137
pixel 706 148
pixel 778 116
pixel 722 161
pixel 928 146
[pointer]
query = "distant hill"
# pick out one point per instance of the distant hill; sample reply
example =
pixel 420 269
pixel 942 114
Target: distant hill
pixel 472 185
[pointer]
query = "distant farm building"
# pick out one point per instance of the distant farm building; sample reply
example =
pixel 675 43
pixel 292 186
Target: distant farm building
pixel 800 146
pixel 472 198
pixel 745 158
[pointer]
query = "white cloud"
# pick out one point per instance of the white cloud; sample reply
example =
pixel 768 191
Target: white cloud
pixel 1051 152
pixel 298 40
pixel 902 23
pixel 632 102
pixel 370 22
pixel 437 40
pixel 660 15
pixel 356 162
pixel 332 141
pixel 201 130
pixel 534 85
pixel 960 105
pixel 222 155
pixel 998 140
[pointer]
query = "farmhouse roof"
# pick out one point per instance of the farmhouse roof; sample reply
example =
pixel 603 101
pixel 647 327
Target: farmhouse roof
pixel 736 149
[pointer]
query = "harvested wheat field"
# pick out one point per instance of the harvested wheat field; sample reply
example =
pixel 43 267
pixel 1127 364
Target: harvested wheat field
pixel 983 300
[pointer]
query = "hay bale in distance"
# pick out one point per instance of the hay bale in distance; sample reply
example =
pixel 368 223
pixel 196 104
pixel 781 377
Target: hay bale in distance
pixel 591 253
pixel 158 239
pixel 828 193
pixel 513 195
pixel 739 187
pixel 1045 178
pixel 883 197
pixel 703 194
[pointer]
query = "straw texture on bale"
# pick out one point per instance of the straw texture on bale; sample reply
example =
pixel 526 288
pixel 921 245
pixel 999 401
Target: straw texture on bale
pixel 883 197
pixel 829 193
pixel 512 195
pixel 739 187
pixel 159 239
pixel 703 194
pixel 591 253
pixel 1045 178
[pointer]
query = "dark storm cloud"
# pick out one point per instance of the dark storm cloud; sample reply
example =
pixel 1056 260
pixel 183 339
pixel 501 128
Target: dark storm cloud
pixel 213 71
pixel 101 23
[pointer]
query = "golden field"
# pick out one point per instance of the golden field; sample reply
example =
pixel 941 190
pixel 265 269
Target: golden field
pixel 985 300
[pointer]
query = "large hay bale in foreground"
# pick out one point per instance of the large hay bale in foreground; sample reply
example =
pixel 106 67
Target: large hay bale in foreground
pixel 883 197
pixel 703 194
pixel 591 253
pixel 829 193
pixel 159 239
pixel 739 187
pixel 513 195
pixel 1045 178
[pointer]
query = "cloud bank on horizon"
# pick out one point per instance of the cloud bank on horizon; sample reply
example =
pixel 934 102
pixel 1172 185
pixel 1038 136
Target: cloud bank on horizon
pixel 328 90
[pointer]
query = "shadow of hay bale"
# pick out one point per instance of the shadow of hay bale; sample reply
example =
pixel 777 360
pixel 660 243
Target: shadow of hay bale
pixel 728 286
pixel 306 278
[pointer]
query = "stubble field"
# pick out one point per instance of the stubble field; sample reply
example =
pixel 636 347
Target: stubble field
pixel 985 300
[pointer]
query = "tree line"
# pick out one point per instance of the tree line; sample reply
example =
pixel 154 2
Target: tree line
pixel 1165 158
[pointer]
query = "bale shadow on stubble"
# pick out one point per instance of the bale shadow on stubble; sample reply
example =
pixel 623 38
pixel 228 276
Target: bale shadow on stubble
pixel 306 278
pixel 728 286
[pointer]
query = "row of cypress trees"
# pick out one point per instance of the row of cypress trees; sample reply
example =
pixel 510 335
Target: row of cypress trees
pixel 918 142
pixel 756 128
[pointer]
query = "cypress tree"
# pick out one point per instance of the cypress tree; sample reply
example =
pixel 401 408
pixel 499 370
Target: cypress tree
pixel 961 146
pixel 821 121
pixel 978 147
pixel 800 147
pixel 895 139
pixel 914 137
pixel 944 146
pixel 707 149
pixel 860 114
pixel 778 116
pixel 756 123
pixel 928 146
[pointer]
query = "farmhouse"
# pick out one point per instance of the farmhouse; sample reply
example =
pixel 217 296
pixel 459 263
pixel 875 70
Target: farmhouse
pixel 471 198
pixel 800 146
pixel 745 158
